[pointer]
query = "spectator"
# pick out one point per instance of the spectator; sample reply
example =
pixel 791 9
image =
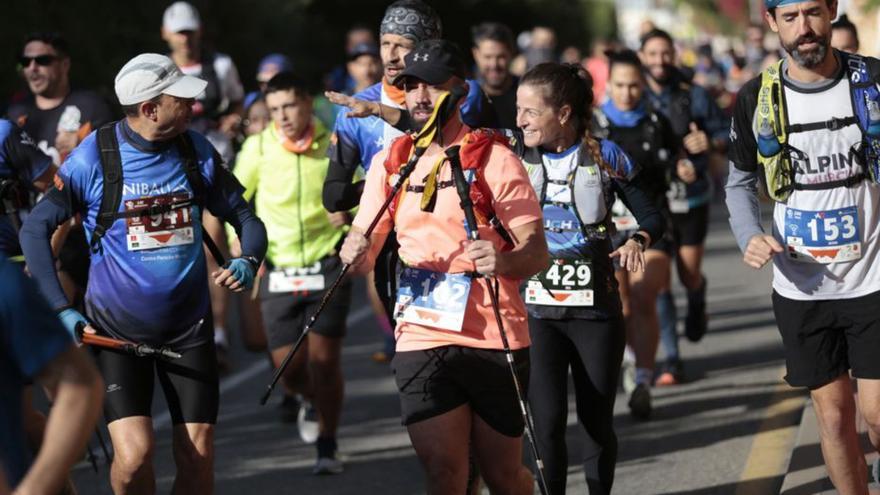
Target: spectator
pixel 493 51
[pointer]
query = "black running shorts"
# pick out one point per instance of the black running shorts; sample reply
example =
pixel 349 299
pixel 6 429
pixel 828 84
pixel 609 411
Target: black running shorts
pixel 190 384
pixel 691 228
pixel 436 381
pixel 285 315
pixel 825 339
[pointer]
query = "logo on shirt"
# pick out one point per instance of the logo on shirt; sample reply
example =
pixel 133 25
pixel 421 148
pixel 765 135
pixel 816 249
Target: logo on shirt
pixel 825 168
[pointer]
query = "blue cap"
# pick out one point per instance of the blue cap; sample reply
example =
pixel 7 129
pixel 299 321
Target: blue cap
pixel 363 49
pixel 250 98
pixel 772 4
pixel 276 62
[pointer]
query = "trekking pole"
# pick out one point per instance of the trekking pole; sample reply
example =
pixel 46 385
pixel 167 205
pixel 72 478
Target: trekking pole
pixel 463 188
pixel 445 106
pixel 107 457
pixel 123 345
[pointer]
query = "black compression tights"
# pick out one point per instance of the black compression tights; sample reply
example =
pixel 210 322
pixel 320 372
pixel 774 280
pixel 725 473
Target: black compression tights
pixel 593 350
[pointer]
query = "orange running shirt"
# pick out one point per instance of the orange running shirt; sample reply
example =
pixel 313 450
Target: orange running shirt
pixel 436 240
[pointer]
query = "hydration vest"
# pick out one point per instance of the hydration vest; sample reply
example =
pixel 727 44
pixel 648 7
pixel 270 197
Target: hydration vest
pixel 602 127
pixel 214 104
pixel 474 153
pixel 585 217
pixel 772 130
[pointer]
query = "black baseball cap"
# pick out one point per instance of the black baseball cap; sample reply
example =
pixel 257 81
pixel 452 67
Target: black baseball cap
pixel 432 61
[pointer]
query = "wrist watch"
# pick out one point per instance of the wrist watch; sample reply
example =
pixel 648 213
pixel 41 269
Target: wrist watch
pixel 640 239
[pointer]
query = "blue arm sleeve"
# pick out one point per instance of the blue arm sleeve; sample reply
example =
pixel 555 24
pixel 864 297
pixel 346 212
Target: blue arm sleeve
pixel 225 201
pixel 54 209
pixel 32 333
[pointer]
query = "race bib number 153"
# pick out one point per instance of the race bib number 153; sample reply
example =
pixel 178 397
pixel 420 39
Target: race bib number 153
pixel 829 236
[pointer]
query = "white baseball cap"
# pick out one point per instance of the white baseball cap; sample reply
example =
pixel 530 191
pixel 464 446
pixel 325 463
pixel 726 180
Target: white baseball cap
pixel 181 16
pixel 149 74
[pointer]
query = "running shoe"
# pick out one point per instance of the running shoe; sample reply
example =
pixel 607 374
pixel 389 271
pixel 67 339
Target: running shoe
pixel 670 375
pixel 640 402
pixel 381 357
pixel 328 465
pixel 307 422
pixel 289 409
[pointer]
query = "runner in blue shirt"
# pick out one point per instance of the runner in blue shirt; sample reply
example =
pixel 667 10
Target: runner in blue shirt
pixel 702 128
pixel 24 171
pixel 147 280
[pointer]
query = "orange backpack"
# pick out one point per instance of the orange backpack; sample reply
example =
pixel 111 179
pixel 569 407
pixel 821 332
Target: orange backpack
pixel 474 153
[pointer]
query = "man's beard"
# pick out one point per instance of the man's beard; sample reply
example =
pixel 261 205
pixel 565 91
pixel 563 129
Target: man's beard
pixel 665 77
pixel 421 120
pixel 809 59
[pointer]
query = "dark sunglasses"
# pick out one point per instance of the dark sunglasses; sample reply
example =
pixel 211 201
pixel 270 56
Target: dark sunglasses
pixel 43 60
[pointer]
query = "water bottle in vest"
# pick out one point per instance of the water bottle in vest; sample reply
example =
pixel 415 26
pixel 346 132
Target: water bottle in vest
pixel 768 144
pixel 873 117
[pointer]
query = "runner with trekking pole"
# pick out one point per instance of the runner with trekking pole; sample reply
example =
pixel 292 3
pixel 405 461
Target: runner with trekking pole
pixel 451 364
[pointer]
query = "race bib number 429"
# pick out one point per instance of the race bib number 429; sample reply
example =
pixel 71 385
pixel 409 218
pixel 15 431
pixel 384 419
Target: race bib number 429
pixel 432 299
pixel 170 228
pixel 566 283
pixel 830 236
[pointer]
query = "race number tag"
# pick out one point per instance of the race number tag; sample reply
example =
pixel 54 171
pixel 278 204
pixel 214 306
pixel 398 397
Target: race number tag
pixel 171 228
pixel 823 236
pixel 568 282
pixel 432 299
pixel 621 216
pixel 308 279
pixel 676 197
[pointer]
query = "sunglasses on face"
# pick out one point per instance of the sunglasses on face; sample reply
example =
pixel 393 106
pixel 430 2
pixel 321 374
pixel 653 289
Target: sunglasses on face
pixel 42 60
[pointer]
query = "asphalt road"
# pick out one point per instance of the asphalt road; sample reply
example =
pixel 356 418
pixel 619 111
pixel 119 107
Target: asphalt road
pixel 729 429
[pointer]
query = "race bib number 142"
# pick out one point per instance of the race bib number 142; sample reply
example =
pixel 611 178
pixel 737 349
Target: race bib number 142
pixel 432 299
pixel 829 236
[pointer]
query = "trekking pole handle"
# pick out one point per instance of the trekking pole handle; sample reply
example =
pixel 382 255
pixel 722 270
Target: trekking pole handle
pixel 88 338
pixel 463 188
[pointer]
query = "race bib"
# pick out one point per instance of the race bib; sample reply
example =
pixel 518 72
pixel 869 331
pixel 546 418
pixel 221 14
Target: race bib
pixel 676 197
pixel 621 216
pixel 309 279
pixel 568 282
pixel 824 237
pixel 171 228
pixel 432 299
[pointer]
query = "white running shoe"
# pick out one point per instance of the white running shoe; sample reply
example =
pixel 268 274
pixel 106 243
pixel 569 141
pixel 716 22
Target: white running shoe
pixel 307 422
pixel 328 465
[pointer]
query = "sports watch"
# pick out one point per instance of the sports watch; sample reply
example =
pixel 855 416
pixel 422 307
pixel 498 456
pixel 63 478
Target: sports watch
pixel 640 239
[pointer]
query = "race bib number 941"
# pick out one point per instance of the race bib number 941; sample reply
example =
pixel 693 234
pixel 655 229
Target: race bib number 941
pixel 566 283
pixel 829 236
pixel 432 299
pixel 171 228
